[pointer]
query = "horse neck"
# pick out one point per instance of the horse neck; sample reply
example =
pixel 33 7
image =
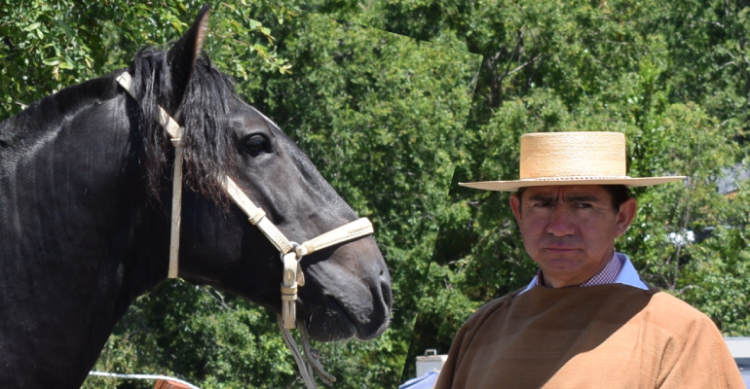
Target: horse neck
pixel 74 221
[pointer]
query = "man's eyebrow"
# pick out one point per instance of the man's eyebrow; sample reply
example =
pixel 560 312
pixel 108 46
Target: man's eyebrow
pixel 542 197
pixel 582 198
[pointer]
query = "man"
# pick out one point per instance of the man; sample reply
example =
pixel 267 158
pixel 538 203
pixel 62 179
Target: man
pixel 586 320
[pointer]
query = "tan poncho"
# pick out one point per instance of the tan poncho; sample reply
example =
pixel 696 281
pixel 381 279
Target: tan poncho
pixel 606 336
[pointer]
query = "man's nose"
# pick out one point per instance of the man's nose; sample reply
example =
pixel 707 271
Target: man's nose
pixel 560 222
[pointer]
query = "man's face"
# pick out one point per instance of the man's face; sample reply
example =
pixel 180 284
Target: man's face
pixel 570 230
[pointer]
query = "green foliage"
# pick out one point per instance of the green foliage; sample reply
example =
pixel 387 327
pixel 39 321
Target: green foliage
pixel 49 45
pixel 198 333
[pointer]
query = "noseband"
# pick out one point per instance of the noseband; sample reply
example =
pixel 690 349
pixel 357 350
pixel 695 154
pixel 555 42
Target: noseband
pixel 291 252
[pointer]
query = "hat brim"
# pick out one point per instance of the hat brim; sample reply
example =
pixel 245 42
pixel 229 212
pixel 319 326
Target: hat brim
pixel 512 186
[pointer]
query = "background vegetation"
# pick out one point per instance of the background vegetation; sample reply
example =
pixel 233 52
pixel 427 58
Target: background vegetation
pixel 384 118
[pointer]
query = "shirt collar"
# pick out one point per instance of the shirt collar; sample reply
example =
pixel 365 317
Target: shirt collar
pixel 607 275
pixel 627 275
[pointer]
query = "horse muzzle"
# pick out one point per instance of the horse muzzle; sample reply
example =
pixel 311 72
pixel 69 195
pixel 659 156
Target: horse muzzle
pixel 348 292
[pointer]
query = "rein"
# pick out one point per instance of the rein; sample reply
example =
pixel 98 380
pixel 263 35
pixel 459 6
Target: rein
pixel 291 252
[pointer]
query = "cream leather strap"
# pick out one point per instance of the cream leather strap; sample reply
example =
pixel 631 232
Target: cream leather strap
pixel 175 132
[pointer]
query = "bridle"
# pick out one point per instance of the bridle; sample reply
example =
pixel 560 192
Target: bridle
pixel 291 252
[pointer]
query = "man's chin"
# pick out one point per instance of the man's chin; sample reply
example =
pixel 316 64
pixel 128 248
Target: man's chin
pixel 560 272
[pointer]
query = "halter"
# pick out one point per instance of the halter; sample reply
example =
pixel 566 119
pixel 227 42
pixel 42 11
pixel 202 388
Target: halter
pixel 291 252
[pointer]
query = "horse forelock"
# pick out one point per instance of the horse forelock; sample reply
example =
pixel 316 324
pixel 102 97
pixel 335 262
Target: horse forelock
pixel 203 113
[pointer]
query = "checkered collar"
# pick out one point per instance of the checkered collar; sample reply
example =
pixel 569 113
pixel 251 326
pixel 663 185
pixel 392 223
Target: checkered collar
pixel 619 270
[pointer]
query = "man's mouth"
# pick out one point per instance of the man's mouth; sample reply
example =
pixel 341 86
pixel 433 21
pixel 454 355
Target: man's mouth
pixel 560 249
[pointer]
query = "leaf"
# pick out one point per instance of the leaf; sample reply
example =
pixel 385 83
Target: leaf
pixel 51 61
pixel 177 25
pixel 65 27
pixel 32 26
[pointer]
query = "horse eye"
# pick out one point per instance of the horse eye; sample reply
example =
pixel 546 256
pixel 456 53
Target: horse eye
pixel 256 144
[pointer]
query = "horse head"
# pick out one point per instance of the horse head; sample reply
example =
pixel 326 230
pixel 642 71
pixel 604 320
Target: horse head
pixel 85 195
pixel 347 290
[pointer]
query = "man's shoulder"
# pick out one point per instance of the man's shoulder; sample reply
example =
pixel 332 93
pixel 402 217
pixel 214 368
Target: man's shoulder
pixel 672 313
pixel 493 307
pixel 662 307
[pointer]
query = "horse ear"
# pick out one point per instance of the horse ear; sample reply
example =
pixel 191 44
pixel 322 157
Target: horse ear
pixel 181 57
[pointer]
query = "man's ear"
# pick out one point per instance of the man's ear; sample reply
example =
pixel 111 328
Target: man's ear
pixel 181 57
pixel 625 215
pixel 515 205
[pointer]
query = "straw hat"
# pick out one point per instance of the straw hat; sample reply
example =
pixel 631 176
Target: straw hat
pixel 572 158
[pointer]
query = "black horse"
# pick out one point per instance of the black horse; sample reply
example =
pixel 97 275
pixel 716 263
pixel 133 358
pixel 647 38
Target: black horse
pixel 85 189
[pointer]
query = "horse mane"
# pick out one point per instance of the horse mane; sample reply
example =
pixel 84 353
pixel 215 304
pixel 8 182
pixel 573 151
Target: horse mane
pixel 29 127
pixel 203 112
